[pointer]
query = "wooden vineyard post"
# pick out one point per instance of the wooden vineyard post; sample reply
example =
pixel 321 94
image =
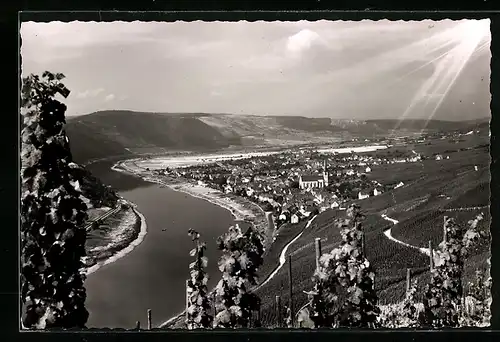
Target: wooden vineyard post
pixel 258 317
pixel 138 325
pixel 318 251
pixel 445 237
pixel 363 246
pixel 187 298
pixel 408 280
pixel 431 256
pixel 149 319
pixel 278 310
pixel 290 287
pixel 213 301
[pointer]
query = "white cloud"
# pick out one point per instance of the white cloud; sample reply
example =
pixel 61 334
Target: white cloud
pixel 301 41
pixel 110 97
pixel 89 93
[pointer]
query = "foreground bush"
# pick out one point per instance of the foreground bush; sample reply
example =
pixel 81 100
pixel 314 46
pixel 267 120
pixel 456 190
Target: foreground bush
pixel 198 302
pixel 348 268
pixel 52 213
pixel 443 300
pixel 242 256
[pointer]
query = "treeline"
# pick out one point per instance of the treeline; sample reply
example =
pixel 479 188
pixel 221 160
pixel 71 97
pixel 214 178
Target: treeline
pixel 342 293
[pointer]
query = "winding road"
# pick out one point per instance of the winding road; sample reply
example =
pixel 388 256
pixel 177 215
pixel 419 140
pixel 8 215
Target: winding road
pixel 388 232
pixel 283 256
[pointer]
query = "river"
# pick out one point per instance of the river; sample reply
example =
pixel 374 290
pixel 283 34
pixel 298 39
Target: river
pixel 153 275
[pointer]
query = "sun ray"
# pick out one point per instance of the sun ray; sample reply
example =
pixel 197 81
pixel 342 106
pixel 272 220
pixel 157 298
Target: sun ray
pixel 448 67
pixel 469 46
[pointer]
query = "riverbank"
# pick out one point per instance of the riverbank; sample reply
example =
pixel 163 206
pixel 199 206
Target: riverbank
pixel 125 233
pixel 241 208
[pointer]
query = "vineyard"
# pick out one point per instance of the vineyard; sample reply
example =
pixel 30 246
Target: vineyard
pixel 429 188
pixel 432 190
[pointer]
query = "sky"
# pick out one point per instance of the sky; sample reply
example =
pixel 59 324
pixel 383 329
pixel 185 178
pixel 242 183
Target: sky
pixel 338 69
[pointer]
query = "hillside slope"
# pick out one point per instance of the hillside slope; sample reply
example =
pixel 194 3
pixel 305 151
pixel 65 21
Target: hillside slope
pixel 125 133
pixel 419 206
pixel 113 133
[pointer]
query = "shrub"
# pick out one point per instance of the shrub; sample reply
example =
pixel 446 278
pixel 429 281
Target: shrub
pixel 323 298
pixel 52 213
pixel 242 256
pixel 478 301
pixel 198 303
pixel 401 315
pixel 347 267
pixel 443 296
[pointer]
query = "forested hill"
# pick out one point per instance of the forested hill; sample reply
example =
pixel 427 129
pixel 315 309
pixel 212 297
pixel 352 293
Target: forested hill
pixel 125 133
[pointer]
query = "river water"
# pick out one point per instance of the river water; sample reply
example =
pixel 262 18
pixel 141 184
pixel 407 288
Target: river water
pixel 153 275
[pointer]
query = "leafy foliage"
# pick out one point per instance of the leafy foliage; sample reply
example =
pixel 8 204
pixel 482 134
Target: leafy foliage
pixel 443 296
pixel 355 273
pixel 199 304
pixel 323 297
pixel 52 213
pixel 346 267
pixel 242 256
pixel 477 311
pixel 404 314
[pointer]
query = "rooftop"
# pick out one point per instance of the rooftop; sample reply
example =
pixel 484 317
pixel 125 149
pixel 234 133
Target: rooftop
pixel 311 178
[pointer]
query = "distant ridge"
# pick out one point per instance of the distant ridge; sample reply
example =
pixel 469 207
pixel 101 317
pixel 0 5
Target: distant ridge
pixel 113 133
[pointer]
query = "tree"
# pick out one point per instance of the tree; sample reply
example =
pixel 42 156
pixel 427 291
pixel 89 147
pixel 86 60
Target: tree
pixel 52 212
pixel 266 206
pixel 198 302
pixel 242 256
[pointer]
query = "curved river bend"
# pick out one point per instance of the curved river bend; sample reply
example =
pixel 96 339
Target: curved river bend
pixel 153 275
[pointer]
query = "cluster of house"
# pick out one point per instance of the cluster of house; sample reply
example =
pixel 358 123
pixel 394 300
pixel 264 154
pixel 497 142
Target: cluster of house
pixel 293 184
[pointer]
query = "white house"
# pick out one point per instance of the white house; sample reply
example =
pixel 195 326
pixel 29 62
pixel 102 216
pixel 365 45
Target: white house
pixel 334 204
pixel 294 219
pixel 377 192
pixel 362 196
pixel 439 157
pixel 400 184
pixel 368 169
pixel 476 168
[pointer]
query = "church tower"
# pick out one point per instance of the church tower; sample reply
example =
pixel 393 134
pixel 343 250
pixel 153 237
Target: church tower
pixel 325 173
